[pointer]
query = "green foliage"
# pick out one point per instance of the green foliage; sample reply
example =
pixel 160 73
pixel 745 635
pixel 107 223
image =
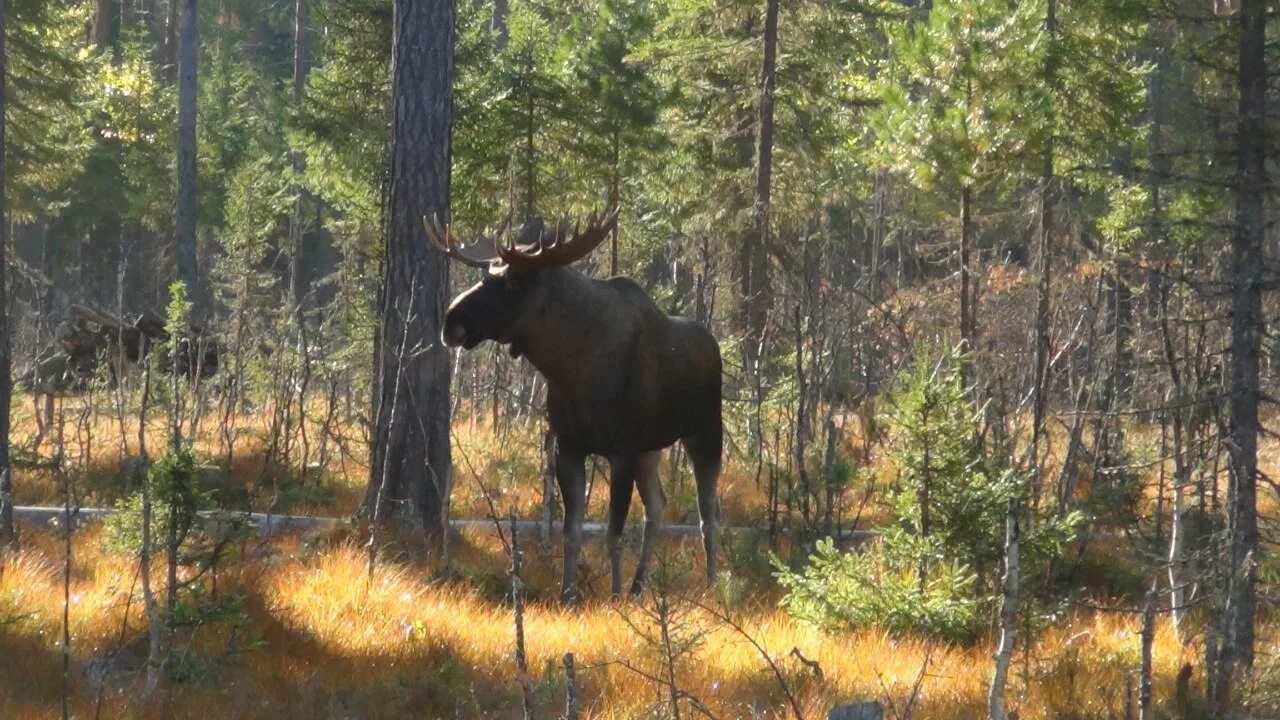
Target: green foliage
pixel 961 101
pixel 134 116
pixel 932 570
pixel 949 494
pixel 959 482
pixel 171 481
pixel 1122 227
pixel 47 137
pixel 841 591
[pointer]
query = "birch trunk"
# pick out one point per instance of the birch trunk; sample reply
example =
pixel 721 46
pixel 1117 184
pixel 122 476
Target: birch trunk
pixel 996 706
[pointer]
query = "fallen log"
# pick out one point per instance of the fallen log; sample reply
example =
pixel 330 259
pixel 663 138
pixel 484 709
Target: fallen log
pixel 269 524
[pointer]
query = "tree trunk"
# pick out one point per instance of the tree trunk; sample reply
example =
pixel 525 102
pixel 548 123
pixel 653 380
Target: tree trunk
pixel 756 288
pixel 1040 382
pixel 1178 576
pixel 1120 383
pixel 498 25
pixel 967 323
pixel 411 461
pixel 1146 686
pixel 297 224
pixel 530 148
pixel 1246 340
pixel 102 17
pixel 7 534
pixel 996 709
pixel 615 197
pixel 185 211
pixel 171 41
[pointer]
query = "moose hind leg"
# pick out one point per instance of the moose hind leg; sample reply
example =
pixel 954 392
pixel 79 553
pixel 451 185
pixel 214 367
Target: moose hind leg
pixel 655 502
pixel 571 474
pixel 704 454
pixel 622 477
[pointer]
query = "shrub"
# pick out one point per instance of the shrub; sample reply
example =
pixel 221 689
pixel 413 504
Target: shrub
pixel 840 592
pixel 933 569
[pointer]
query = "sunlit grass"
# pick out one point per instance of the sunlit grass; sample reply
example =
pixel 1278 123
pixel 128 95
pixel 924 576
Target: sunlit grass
pixel 495 467
pixel 325 638
pixel 321 636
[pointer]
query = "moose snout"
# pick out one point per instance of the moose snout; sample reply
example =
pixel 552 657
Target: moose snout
pixel 454 332
pixel 457 332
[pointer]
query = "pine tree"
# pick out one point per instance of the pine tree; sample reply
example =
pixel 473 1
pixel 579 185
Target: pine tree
pixel 411 460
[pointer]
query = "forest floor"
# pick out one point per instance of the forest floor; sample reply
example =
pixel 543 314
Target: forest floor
pixel 316 635
pixel 309 628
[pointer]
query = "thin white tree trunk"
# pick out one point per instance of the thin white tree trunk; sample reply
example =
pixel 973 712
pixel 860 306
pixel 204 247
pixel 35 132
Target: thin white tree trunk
pixel 996 707
pixel 1177 559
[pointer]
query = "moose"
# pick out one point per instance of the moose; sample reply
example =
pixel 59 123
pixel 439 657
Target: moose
pixel 624 380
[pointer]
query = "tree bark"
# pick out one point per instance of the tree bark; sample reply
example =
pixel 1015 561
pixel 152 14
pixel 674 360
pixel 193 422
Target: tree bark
pixel 297 223
pixel 102 16
pixel 7 533
pixel 996 708
pixel 615 196
pixel 1246 341
pixel 967 324
pixel 171 41
pixel 756 286
pixel 1178 576
pixel 498 25
pixel 1146 685
pixel 530 148
pixel 1040 387
pixel 411 461
pixel 185 210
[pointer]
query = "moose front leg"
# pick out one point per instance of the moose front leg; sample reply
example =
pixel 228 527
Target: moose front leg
pixel 622 479
pixel 655 502
pixel 571 474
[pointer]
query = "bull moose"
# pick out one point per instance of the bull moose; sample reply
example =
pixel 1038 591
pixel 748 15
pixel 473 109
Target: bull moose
pixel 624 380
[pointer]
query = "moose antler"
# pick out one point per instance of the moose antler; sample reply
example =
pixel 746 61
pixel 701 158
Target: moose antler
pixel 479 253
pixel 545 248
pixel 534 247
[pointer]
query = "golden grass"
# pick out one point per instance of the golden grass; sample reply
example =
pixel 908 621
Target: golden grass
pixel 320 637
pixel 498 465
pixel 323 638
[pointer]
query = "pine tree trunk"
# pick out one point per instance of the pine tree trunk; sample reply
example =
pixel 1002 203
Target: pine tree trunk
pixel 756 286
pixel 967 324
pixel 498 25
pixel 1246 341
pixel 615 197
pixel 185 211
pixel 297 224
pixel 171 41
pixel 102 17
pixel 7 533
pixel 411 461
pixel 530 147
pixel 1040 387
pixel 1146 684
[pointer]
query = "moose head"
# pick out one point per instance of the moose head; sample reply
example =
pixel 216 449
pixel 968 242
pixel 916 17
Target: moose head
pixel 512 288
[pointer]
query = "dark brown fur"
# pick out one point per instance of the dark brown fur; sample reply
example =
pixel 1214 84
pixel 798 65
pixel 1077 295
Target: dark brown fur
pixel 624 381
